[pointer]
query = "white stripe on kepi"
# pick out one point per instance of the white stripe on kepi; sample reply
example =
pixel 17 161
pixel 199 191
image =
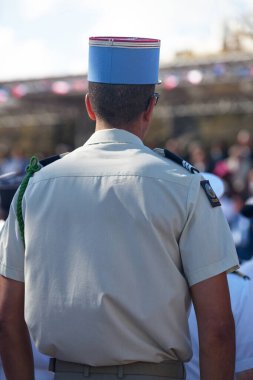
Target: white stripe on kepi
pixel 124 42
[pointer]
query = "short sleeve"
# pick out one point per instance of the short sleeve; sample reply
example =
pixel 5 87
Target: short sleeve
pixel 206 244
pixel 11 247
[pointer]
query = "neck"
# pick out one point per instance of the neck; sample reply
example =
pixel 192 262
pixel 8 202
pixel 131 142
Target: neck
pixel 134 128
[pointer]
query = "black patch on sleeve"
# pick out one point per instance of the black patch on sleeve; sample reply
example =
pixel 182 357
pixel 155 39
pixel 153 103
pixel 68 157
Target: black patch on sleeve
pixel 212 197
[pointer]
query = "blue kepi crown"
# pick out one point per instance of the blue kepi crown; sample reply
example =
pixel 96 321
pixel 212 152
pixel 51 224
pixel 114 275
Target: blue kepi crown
pixel 123 60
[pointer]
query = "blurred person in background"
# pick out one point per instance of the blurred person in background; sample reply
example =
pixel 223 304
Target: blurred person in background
pixel 198 157
pixel 15 161
pixel 217 152
pixel 242 229
pixel 238 163
pixel 240 217
pixel 238 166
pixel 12 160
pixel 241 293
pixel 173 145
pixel 118 240
pixel 247 211
pixel 4 152
pixel 249 184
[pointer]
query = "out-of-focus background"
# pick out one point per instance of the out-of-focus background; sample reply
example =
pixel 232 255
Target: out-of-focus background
pixel 205 112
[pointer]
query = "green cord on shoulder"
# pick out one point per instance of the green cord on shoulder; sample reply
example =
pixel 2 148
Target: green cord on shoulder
pixel 32 168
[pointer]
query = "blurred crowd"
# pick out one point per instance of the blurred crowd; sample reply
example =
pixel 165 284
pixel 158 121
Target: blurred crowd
pixel 12 160
pixel 234 165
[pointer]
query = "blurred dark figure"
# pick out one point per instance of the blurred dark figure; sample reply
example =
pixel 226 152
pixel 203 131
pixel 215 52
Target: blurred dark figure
pixel 242 228
pixel 247 211
pixel 8 186
pixel 198 157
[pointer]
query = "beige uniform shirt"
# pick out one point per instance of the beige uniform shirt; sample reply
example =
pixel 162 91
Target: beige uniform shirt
pixel 115 234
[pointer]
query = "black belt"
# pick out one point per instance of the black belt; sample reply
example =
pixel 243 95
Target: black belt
pixel 173 369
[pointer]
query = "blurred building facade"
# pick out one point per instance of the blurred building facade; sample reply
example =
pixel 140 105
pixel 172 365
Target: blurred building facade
pixel 208 98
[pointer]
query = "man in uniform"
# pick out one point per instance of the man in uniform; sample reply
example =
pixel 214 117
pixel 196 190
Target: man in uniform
pixel 118 239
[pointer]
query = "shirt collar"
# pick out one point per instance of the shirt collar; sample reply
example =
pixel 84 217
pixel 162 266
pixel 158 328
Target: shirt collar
pixel 113 136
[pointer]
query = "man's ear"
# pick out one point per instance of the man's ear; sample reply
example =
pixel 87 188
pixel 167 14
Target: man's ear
pixel 89 109
pixel 149 111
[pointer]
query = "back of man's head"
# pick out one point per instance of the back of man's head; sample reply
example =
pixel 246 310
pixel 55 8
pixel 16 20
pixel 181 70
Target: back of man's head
pixel 119 105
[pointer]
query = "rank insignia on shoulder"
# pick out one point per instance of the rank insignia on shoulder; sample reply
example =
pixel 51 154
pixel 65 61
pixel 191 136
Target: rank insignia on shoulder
pixel 213 199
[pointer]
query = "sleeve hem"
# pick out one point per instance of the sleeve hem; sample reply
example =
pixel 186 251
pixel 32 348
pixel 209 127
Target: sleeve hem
pixel 212 270
pixel 11 273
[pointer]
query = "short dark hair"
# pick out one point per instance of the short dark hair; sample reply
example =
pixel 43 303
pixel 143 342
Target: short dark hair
pixel 117 104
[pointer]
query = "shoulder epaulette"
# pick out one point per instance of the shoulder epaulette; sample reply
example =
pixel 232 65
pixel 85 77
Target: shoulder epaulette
pixel 212 197
pixel 179 160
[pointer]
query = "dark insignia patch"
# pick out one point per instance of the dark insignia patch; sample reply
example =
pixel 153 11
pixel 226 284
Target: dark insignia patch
pixel 213 199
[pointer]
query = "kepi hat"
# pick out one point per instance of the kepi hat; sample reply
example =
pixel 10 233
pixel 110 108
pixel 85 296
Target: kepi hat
pixel 123 60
